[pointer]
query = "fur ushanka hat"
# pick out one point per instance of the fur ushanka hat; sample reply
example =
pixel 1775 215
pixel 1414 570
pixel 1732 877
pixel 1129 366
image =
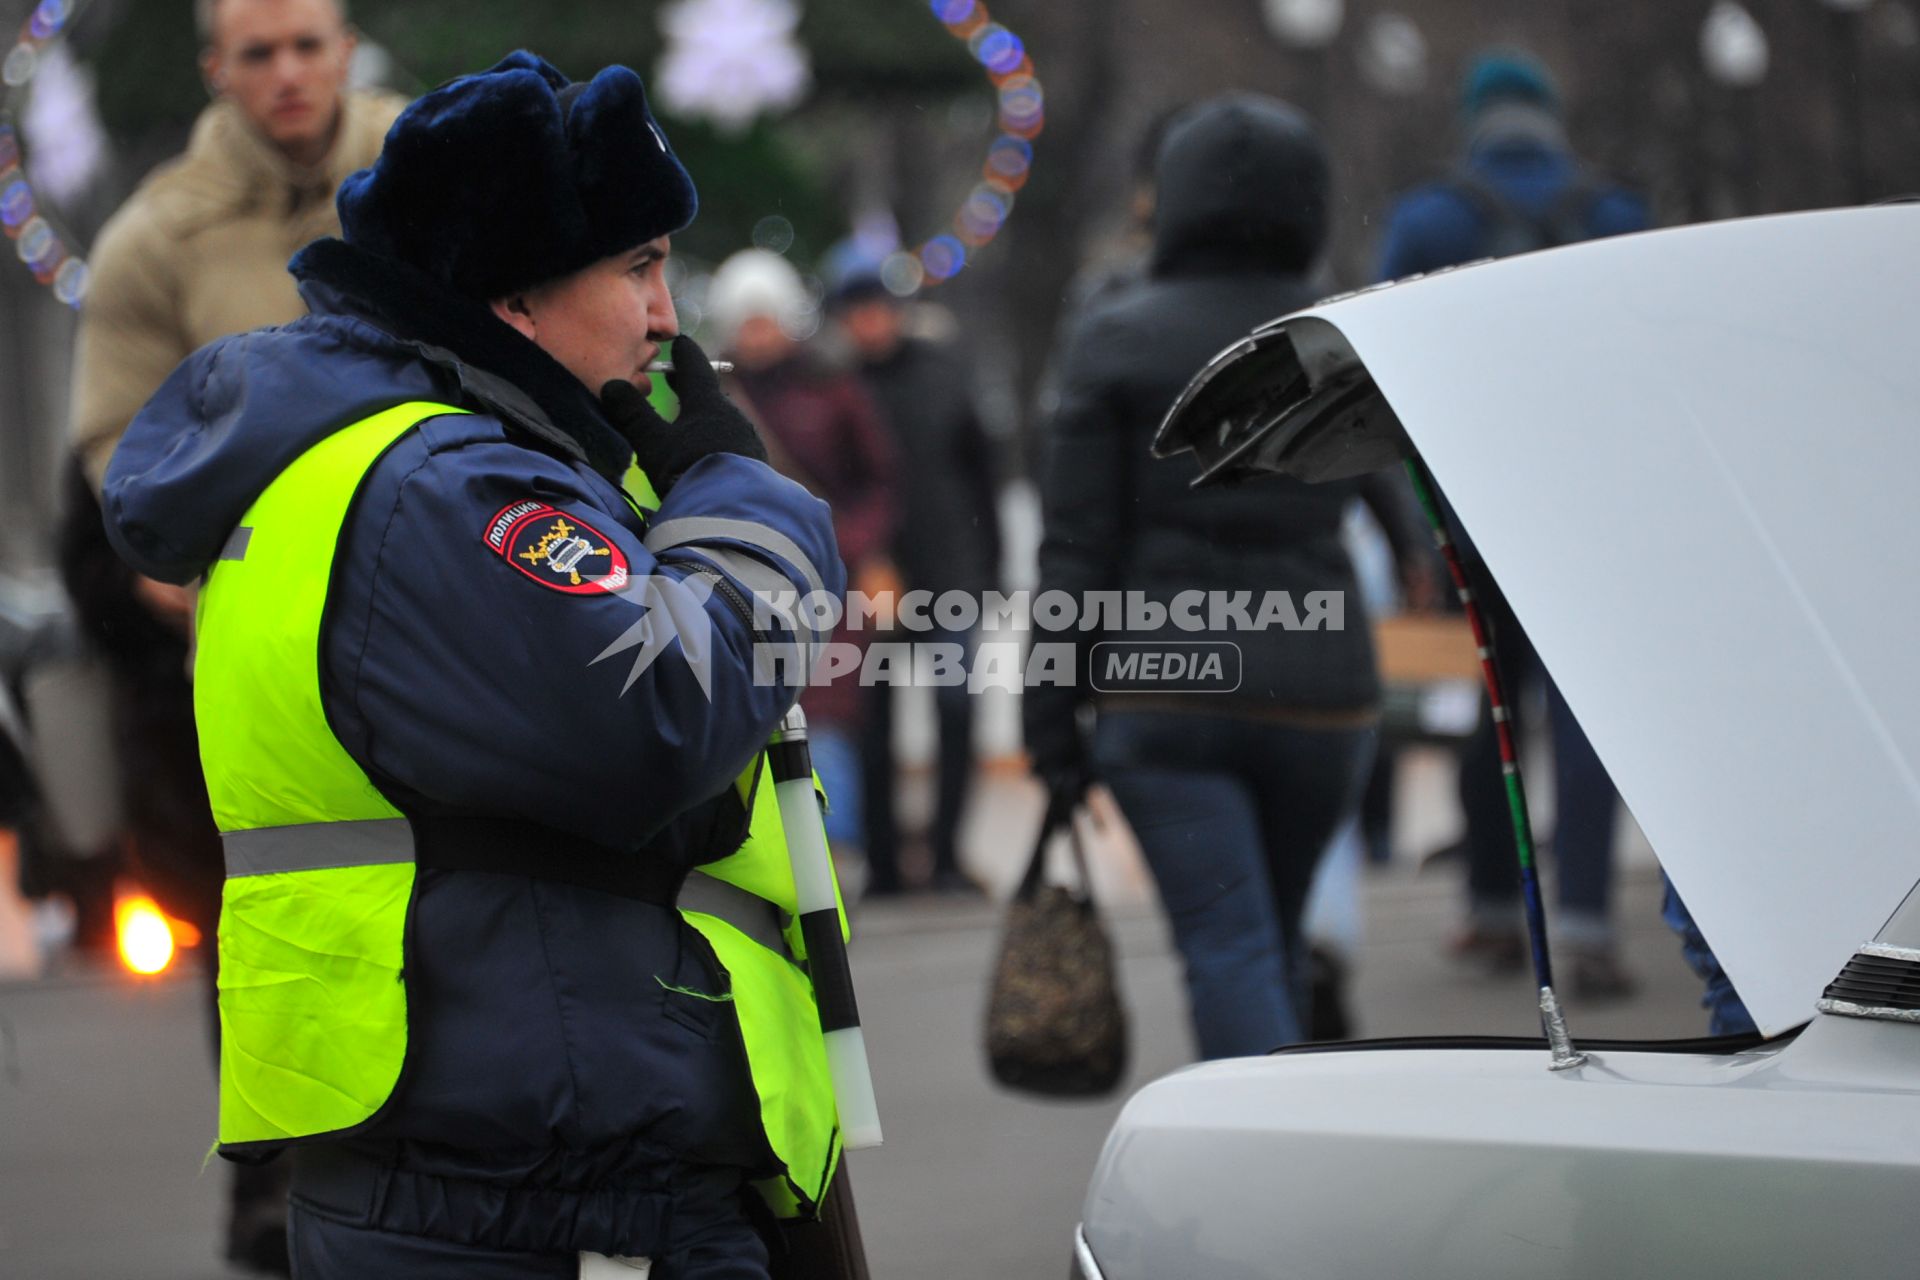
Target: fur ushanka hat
pixel 500 181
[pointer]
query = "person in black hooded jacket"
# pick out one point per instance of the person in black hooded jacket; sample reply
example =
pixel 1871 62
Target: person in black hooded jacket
pixel 1232 789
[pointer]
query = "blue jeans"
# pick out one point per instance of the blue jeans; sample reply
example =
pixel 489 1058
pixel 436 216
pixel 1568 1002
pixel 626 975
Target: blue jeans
pixel 1232 815
pixel 1726 1013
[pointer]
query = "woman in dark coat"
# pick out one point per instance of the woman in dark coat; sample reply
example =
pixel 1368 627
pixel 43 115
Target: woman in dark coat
pixel 1231 788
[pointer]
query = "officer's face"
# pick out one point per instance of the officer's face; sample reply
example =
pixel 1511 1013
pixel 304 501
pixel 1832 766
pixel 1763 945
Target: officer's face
pixel 284 64
pixel 603 323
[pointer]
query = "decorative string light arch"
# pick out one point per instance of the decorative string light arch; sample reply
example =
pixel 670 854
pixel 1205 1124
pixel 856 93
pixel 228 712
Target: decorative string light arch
pixel 1022 113
pixel 38 239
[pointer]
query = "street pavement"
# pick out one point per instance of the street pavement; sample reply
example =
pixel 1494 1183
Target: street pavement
pixel 106 1085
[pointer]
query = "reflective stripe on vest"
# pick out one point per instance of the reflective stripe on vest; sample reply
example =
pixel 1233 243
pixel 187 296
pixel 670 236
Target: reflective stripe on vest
pixel 326 846
pixel 318 846
pixel 312 936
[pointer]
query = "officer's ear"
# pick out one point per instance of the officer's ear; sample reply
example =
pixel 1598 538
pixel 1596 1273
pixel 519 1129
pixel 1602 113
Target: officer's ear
pixel 513 310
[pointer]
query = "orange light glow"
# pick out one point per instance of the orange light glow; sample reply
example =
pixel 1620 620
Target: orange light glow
pixel 146 938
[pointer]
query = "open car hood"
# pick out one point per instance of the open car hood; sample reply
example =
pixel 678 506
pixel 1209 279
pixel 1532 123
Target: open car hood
pixel 1690 458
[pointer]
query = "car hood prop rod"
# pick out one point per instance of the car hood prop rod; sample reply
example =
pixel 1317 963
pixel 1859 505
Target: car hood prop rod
pixel 1553 1021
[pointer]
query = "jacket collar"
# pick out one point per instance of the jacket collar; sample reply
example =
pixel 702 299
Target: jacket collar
pixel 493 365
pixel 224 139
pixel 1516 126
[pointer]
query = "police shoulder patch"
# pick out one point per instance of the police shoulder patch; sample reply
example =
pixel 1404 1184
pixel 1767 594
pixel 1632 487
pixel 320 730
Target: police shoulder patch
pixel 556 549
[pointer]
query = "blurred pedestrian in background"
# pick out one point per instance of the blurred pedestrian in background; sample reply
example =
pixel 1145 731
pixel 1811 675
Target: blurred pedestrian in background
pixel 1520 187
pixel 823 431
pixel 1232 795
pixel 947 539
pixel 199 252
pixel 25 892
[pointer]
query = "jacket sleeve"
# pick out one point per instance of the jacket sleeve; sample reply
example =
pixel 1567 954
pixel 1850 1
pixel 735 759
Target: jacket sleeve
pixel 510 644
pixel 1087 473
pixel 1086 485
pixel 130 337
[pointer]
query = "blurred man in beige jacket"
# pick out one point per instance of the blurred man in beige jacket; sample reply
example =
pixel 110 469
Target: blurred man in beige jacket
pixel 200 250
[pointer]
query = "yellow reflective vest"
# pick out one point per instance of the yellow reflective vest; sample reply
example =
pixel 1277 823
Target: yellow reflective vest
pixel 321 868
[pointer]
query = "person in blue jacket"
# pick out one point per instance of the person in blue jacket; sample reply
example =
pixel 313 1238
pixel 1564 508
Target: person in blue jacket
pixel 545 685
pixel 1519 187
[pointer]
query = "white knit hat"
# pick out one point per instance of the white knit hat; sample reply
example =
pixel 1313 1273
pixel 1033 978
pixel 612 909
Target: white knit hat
pixel 755 282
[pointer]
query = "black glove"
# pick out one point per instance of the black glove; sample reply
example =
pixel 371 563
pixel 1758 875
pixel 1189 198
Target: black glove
pixel 708 422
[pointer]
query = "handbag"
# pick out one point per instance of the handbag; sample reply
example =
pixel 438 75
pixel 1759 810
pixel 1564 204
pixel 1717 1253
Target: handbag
pixel 1055 1024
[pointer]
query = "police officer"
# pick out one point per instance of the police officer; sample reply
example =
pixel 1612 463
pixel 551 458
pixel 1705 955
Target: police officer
pixel 482 717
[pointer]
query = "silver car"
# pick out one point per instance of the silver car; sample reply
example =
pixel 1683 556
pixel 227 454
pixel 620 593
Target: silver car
pixel 1691 458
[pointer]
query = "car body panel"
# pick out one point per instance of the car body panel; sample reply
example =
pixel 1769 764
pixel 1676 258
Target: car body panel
pixel 1482 1165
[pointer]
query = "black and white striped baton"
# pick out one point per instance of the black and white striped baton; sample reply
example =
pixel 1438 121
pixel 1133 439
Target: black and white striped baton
pixel 819 904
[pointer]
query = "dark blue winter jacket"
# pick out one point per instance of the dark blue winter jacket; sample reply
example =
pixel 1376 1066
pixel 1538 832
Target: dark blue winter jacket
pixel 564 1080
pixel 1442 224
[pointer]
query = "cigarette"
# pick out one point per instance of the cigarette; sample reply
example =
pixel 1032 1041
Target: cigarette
pixel 666 366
